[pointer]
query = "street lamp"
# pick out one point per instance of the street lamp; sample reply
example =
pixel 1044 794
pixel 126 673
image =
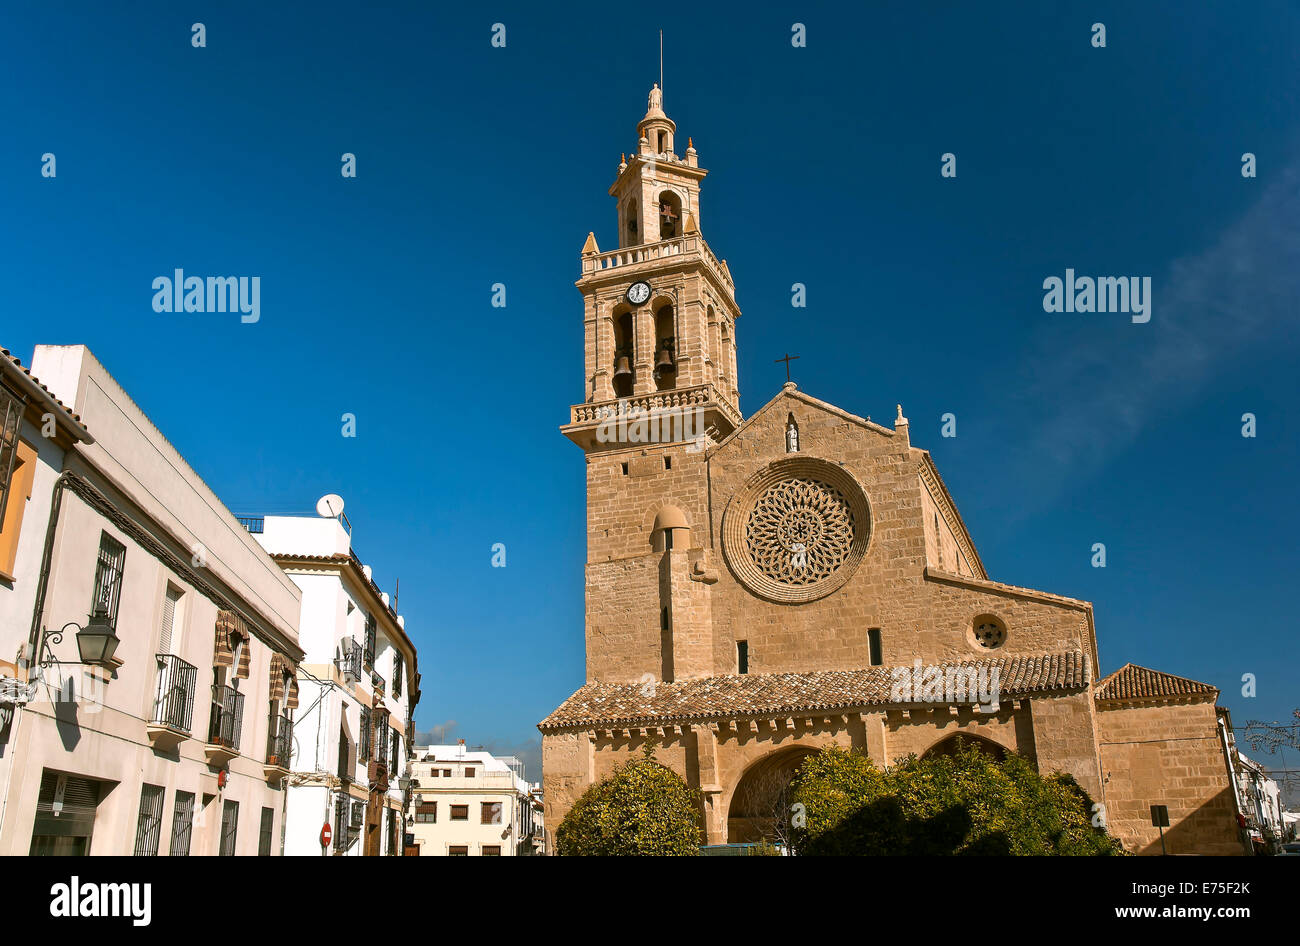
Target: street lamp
pixel 96 642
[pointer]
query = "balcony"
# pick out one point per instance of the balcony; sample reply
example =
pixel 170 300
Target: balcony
pixel 279 748
pixel 224 724
pixel 349 664
pixel 677 414
pixel 173 703
pixel 688 246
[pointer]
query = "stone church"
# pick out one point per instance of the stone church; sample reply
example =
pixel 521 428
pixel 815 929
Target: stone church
pixel 756 587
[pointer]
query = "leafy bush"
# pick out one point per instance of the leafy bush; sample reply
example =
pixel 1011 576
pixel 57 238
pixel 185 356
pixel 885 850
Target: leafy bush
pixel 965 803
pixel 642 808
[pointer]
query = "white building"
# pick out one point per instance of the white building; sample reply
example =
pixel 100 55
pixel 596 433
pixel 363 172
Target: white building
pixel 1261 801
pixel 153 641
pixel 359 684
pixel 469 803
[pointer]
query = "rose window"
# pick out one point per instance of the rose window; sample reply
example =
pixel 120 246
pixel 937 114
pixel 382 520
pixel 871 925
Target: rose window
pixel 800 531
pixel 796 530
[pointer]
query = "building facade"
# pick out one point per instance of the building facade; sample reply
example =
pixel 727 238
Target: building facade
pixel 469 803
pixel 359 682
pixel 1261 804
pixel 154 642
pixel 760 587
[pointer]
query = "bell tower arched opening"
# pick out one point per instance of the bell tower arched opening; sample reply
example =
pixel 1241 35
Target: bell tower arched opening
pixel 631 225
pixel 670 215
pixel 624 350
pixel 665 348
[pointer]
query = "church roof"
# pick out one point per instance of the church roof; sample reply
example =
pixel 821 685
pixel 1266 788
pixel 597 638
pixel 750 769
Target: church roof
pixel 625 704
pixel 1131 682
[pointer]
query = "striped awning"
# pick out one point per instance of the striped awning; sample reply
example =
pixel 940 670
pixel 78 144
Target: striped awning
pixel 230 631
pixel 284 681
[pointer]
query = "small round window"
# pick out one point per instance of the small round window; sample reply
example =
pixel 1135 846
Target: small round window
pixel 989 632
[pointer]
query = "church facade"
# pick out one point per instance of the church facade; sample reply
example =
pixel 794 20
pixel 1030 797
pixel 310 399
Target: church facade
pixel 760 587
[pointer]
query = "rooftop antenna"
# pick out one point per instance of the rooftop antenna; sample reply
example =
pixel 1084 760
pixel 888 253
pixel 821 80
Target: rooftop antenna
pixel 661 62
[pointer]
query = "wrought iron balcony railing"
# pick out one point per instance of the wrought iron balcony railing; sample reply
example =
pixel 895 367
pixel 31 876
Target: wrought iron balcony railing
pixel 173 703
pixel 349 664
pixel 227 717
pixel 279 741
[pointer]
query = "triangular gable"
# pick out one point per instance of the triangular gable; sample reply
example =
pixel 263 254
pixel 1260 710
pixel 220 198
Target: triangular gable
pixel 1131 682
pixel 789 389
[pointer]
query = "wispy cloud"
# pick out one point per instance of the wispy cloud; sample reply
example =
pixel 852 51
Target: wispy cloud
pixel 439 735
pixel 1118 378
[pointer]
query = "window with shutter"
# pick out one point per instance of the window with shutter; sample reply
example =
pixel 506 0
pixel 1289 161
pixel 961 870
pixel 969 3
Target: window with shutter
pixel 182 824
pixel 229 828
pixel 370 642
pixel 341 823
pixel 381 737
pixel 397 675
pixel 264 835
pixel 11 414
pixel 363 743
pixel 167 637
pixel 345 770
pixel 65 814
pixel 108 577
pixel 490 812
pixel 148 828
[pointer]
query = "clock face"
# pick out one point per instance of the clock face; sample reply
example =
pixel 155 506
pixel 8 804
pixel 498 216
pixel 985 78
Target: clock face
pixel 638 292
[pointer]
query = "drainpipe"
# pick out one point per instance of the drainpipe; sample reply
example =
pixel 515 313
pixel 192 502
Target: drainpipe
pixel 35 637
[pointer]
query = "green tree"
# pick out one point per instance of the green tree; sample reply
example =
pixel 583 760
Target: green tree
pixel 642 808
pixel 964 803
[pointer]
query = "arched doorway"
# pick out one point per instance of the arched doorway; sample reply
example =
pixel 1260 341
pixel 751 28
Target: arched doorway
pixel 760 805
pixel 949 746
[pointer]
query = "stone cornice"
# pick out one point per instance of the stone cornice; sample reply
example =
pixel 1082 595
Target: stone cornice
pixel 930 476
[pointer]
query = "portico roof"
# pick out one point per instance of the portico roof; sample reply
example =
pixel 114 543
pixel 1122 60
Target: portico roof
pixel 605 705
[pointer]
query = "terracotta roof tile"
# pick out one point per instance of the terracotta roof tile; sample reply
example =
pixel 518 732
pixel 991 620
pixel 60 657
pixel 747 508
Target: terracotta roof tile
pixel 4 352
pixel 607 704
pixel 1131 682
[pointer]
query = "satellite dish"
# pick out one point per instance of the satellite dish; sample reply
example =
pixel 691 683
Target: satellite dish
pixel 329 506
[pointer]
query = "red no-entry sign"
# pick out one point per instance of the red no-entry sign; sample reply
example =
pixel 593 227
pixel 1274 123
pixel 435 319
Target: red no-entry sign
pixel 325 835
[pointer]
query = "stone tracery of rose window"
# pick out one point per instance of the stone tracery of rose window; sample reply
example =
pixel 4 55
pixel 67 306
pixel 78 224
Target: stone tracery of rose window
pixel 800 531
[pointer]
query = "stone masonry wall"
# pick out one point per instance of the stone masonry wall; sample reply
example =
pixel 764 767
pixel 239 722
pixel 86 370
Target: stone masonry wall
pixel 1167 754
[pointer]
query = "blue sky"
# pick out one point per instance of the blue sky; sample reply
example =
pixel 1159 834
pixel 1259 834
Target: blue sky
pixel 479 165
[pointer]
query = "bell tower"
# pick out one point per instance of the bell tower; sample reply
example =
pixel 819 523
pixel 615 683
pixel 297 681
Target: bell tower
pixel 660 310
pixel 659 388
